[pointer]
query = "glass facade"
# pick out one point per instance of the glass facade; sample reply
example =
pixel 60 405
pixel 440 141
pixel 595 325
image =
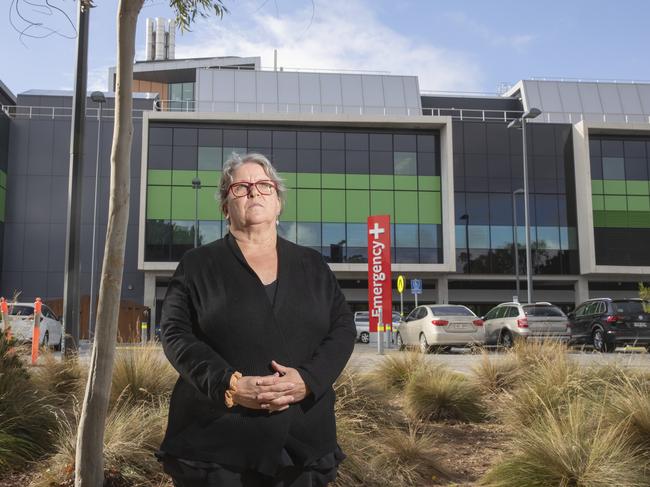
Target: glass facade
pixel 335 180
pixel 181 97
pixel 488 170
pixel 620 186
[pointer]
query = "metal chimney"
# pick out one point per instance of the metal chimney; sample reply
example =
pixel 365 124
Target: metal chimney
pixel 171 39
pixel 150 40
pixel 160 39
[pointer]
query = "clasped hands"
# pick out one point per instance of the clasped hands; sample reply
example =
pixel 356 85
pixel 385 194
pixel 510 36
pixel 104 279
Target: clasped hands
pixel 274 392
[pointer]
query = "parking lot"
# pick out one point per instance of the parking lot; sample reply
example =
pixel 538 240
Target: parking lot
pixel 365 357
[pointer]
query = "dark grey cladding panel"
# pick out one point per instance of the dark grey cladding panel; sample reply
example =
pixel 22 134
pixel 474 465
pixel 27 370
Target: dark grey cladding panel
pixel 131 254
pixel 34 285
pixel 18 146
pixel 37 200
pixel 54 285
pixel 12 282
pixel 36 245
pixel 58 199
pixel 4 141
pixel 134 203
pixel 478 102
pixel 56 248
pixel 16 198
pixel 14 248
pixel 61 147
pixel 41 143
pixel 136 281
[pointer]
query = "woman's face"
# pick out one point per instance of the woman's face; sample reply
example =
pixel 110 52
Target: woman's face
pixel 256 208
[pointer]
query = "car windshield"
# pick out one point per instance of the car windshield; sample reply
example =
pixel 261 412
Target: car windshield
pixel 21 310
pixel 451 311
pixel 543 310
pixel 629 307
pixel 396 316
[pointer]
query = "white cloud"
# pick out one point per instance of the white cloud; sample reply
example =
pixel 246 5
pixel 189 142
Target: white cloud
pixel 341 36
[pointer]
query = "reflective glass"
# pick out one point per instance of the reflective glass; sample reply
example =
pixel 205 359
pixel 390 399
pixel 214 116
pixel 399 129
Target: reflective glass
pixel 356 235
pixel 613 168
pixel 287 230
pixel 479 236
pixel 209 231
pixel 548 238
pixel 406 235
pixel 405 163
pixel 309 234
pixel 501 237
pixel 210 158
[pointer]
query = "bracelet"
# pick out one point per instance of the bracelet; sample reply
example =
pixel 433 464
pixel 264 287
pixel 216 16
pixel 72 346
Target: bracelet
pixel 232 388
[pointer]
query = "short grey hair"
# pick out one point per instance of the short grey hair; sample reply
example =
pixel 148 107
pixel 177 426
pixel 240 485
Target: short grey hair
pixel 235 161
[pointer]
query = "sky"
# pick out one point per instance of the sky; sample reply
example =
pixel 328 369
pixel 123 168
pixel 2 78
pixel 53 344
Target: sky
pixel 460 46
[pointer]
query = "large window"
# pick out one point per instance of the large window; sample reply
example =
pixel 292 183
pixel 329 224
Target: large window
pixel 620 188
pixel 335 179
pixel 488 173
pixel 181 97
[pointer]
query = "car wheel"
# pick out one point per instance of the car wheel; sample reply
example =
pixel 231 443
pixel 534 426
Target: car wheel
pixel 46 340
pixel 57 347
pixel 599 343
pixel 424 345
pixel 398 342
pixel 364 337
pixel 505 339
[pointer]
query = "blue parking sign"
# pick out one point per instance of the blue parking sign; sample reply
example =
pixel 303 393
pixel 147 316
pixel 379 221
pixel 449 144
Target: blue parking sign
pixel 416 286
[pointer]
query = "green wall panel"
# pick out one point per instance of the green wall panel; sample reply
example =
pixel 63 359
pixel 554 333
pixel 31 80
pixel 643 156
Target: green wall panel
pixel 639 219
pixel 638 203
pixel 357 181
pixel 183 203
pixel 289 207
pixel 381 181
pixel 598 202
pixel 209 204
pixel 615 203
pixel 637 187
pixel 406 207
pixel 597 186
pixel 209 178
pixel 429 204
pixel 309 205
pixel 406 182
pixel 308 180
pixel 357 206
pixel 381 203
pixel 333 205
pixel 429 183
pixel 182 177
pixel 612 186
pixel 599 218
pixel 159 203
pixel 159 177
pixel 616 219
pixel 289 179
pixel 333 180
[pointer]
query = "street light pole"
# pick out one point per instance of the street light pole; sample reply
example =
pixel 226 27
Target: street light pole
pixel 99 98
pixel 196 184
pixel 531 113
pixel 515 237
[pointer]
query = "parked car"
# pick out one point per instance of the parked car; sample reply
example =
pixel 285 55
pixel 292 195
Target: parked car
pixel 507 322
pixel 436 327
pixel 21 317
pixel 606 323
pixel 361 321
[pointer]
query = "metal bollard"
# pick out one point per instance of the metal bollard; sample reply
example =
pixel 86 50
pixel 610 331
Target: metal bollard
pixel 143 332
pixel 36 334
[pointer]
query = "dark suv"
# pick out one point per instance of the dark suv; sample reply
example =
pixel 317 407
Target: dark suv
pixel 607 323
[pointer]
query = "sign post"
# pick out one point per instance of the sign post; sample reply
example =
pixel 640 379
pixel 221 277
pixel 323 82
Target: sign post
pixel 380 293
pixel 5 318
pixel 416 288
pixel 400 290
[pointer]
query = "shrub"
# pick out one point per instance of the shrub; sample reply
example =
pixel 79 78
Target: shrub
pixel 395 371
pixel 142 374
pixel 133 432
pixel 439 394
pixel 573 448
pixel 495 375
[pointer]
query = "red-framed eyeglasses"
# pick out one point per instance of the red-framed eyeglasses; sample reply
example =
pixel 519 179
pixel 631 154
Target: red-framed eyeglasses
pixel 264 187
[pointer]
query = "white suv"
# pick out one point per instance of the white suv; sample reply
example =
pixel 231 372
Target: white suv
pixel 535 321
pixel 21 320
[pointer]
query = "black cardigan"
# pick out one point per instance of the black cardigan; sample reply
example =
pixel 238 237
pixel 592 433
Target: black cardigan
pixel 216 318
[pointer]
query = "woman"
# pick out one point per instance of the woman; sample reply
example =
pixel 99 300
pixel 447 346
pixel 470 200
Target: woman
pixel 258 329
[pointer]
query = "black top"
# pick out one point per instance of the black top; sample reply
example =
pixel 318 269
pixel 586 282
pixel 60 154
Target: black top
pixel 217 318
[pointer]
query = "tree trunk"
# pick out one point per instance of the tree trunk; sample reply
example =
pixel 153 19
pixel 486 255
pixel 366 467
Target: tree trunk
pixel 89 462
